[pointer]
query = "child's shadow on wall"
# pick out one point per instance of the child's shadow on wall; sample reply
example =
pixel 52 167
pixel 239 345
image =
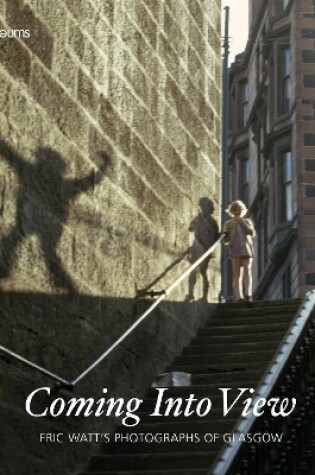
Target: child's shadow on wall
pixel 205 231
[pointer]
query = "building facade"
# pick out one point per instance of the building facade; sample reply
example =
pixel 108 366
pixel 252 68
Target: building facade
pixel 272 143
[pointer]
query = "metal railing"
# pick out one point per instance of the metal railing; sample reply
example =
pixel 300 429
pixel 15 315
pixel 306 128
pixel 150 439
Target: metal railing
pixel 225 463
pixel 148 291
pixel 62 383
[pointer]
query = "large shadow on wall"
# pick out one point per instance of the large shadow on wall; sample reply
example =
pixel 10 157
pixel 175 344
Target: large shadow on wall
pixel 43 203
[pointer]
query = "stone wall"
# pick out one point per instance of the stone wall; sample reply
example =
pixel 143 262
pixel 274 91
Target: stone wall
pixel 134 92
pixel 109 137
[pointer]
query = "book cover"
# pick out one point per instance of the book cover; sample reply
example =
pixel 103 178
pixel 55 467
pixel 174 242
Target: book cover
pixel 110 188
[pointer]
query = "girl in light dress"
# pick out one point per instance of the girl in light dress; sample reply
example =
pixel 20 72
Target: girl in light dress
pixel 239 233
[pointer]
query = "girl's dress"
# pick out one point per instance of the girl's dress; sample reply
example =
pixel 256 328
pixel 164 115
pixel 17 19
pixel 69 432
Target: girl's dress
pixel 240 247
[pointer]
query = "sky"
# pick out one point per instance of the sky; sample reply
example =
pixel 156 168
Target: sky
pixel 238 25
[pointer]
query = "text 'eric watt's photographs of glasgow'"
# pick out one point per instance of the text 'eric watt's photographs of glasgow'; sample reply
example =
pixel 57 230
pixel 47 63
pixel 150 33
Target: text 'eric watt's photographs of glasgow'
pixel 157 251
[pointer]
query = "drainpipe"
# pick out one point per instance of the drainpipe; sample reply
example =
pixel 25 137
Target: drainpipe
pixel 225 164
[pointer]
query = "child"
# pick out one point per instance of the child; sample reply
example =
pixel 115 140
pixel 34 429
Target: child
pixel 240 232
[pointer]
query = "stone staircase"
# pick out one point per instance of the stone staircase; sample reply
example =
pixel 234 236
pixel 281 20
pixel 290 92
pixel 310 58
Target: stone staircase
pixel 232 351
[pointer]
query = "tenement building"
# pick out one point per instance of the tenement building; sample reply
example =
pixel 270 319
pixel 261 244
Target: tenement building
pixel 110 131
pixel 272 143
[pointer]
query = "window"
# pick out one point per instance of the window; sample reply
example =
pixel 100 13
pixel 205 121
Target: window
pixel 266 230
pixel 284 92
pixel 258 64
pixel 285 3
pixel 286 284
pixel 287 183
pixel 244 93
pixel 281 6
pixel 262 237
pixel 285 195
pixel 244 180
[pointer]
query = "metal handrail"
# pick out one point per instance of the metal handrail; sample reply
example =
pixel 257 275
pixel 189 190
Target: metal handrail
pixel 148 291
pixel 35 366
pixel 62 383
pixel 229 454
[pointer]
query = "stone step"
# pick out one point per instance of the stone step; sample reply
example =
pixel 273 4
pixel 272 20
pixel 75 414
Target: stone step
pixel 149 403
pixel 291 303
pixel 228 320
pixel 228 338
pixel 248 378
pixel 229 358
pixel 158 424
pixel 185 391
pixel 225 367
pixel 213 349
pixel 180 403
pixel 152 472
pixel 214 415
pixel 203 442
pixel 255 311
pixel 145 462
pixel 248 329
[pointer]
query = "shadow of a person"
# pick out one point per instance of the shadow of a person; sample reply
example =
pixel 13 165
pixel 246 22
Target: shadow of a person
pixel 205 232
pixel 42 207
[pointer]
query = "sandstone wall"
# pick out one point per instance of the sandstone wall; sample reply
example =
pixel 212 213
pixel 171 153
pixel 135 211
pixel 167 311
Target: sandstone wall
pixel 109 136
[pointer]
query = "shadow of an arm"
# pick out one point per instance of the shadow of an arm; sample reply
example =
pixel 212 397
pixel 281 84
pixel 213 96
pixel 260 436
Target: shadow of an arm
pixel 10 156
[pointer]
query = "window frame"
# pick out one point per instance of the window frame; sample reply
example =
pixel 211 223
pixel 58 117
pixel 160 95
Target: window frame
pixel 244 179
pixel 284 186
pixel 243 103
pixel 281 7
pixel 287 283
pixel 284 90
pixel 285 4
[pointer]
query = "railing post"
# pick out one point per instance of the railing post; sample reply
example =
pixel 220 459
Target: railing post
pixel 225 164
